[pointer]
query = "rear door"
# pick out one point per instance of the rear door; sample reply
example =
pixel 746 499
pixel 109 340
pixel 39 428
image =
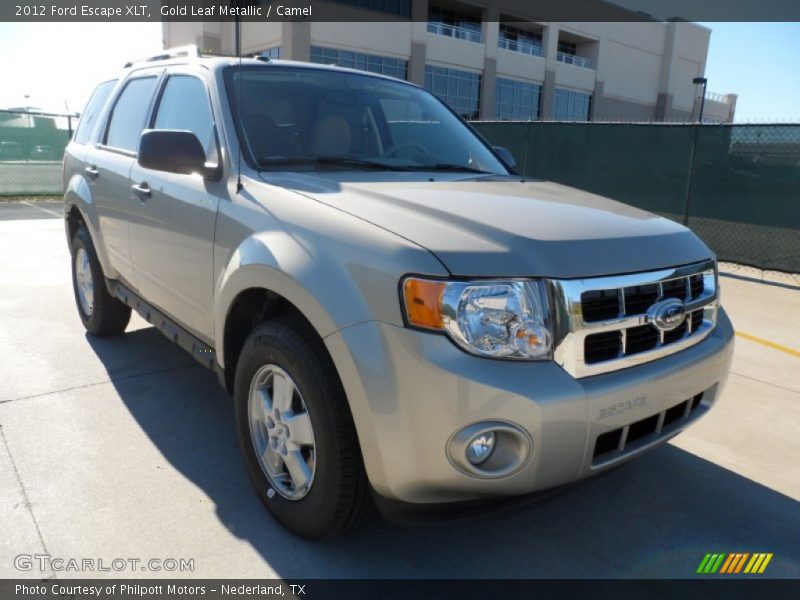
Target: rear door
pixel 108 167
pixel 172 236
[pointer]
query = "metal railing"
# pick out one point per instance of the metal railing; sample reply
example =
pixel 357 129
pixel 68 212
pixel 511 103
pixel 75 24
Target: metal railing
pixel 715 97
pixel 521 46
pixel 578 61
pixel 454 31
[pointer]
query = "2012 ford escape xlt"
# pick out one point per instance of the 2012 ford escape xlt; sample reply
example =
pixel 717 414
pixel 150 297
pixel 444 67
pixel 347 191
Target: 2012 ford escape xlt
pixel 402 320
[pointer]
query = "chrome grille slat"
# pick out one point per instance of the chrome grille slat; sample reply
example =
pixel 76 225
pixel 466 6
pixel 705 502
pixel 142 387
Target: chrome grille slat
pixel 695 284
pixel 640 319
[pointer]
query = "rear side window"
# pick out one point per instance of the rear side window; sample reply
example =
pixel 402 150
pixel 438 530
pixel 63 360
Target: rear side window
pixel 92 111
pixel 129 114
pixel 184 105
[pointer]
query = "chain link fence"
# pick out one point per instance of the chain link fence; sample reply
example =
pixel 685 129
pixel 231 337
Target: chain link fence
pixel 31 148
pixel 736 186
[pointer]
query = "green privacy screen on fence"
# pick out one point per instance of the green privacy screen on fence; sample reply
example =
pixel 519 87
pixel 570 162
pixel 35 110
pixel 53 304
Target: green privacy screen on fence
pixel 31 149
pixel 744 195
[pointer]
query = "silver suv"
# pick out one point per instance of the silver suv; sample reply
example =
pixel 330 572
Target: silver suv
pixel 402 319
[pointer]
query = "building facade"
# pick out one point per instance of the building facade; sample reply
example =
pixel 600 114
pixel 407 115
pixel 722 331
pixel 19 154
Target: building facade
pixel 490 65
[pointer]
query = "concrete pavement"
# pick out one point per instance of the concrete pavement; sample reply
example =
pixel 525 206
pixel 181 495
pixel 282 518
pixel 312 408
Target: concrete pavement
pixel 125 448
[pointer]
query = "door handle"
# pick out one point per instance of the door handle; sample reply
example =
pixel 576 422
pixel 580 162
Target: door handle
pixel 92 171
pixel 142 190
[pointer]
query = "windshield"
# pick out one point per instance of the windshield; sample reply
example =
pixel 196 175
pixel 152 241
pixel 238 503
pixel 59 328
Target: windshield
pixel 313 119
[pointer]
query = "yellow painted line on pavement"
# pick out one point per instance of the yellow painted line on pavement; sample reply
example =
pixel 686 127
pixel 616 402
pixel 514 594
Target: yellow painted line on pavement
pixel 773 345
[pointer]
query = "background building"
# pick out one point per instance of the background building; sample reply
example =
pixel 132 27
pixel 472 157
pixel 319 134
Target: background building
pixel 490 65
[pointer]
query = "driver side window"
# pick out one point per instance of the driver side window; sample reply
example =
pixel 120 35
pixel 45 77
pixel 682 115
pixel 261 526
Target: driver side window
pixel 184 105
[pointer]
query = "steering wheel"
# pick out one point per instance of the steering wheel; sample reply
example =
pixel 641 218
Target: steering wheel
pixel 393 150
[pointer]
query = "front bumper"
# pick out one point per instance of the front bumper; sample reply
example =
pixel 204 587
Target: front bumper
pixel 410 391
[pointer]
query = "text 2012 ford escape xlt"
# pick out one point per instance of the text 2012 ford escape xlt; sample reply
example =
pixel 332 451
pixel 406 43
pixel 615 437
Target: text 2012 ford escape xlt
pixel 402 320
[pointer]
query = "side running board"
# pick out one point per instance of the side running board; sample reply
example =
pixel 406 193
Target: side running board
pixel 200 351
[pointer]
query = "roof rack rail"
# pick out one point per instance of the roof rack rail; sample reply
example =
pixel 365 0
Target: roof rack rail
pixel 190 51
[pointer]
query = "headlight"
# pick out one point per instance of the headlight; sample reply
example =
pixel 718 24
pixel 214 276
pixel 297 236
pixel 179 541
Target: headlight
pixel 500 319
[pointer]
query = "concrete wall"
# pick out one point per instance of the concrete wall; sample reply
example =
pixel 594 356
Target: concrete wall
pixel 520 66
pixel 256 36
pixel 461 53
pixel 372 37
pixel 720 110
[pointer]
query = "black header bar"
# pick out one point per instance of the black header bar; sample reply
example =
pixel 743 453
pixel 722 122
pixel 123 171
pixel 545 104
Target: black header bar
pixel 394 10
pixel 732 588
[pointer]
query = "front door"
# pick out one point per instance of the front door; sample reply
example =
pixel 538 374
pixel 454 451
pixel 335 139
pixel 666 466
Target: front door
pixel 172 237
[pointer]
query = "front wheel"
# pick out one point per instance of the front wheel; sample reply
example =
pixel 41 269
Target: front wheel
pixel 296 432
pixel 100 312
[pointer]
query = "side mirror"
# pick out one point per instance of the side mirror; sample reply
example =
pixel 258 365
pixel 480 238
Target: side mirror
pixel 507 157
pixel 172 151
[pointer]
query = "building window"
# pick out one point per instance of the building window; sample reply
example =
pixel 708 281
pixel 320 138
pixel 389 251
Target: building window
pixel 461 90
pixel 568 53
pixel 394 7
pixel 567 48
pixel 519 40
pixel 517 100
pixel 572 106
pixel 385 65
pixel 456 25
pixel 271 53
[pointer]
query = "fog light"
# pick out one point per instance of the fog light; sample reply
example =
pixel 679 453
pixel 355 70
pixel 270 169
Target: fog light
pixel 480 448
pixel 490 449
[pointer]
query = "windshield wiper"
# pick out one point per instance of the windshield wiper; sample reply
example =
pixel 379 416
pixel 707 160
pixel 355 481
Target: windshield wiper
pixel 368 164
pixel 453 167
pixel 330 160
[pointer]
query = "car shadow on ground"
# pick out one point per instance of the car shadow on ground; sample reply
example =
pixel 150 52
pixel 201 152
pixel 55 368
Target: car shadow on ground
pixel 655 517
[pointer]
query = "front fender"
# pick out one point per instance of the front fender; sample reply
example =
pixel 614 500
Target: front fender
pixel 254 264
pixel 336 269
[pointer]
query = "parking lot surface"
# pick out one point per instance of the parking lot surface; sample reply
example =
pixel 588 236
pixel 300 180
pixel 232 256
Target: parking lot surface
pixel 125 448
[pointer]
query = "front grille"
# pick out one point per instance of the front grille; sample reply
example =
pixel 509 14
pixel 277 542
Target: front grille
pixel 617 442
pixel 600 305
pixel 602 346
pixel 605 324
pixel 641 339
pixel 608 345
pixel 696 319
pixel 676 288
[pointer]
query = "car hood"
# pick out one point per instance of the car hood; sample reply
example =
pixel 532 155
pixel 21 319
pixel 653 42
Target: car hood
pixel 504 226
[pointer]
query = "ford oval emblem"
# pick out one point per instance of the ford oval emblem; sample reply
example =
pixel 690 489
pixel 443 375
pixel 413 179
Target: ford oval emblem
pixel 667 314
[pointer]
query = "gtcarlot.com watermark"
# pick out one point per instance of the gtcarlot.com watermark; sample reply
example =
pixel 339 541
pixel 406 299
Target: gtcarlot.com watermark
pixel 47 563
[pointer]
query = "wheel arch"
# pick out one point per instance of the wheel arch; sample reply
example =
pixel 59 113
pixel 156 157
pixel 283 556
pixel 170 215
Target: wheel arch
pixel 249 308
pixel 80 209
pixel 269 273
pixel 74 220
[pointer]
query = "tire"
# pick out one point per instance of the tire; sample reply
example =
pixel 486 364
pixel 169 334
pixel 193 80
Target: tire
pixel 101 313
pixel 338 496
